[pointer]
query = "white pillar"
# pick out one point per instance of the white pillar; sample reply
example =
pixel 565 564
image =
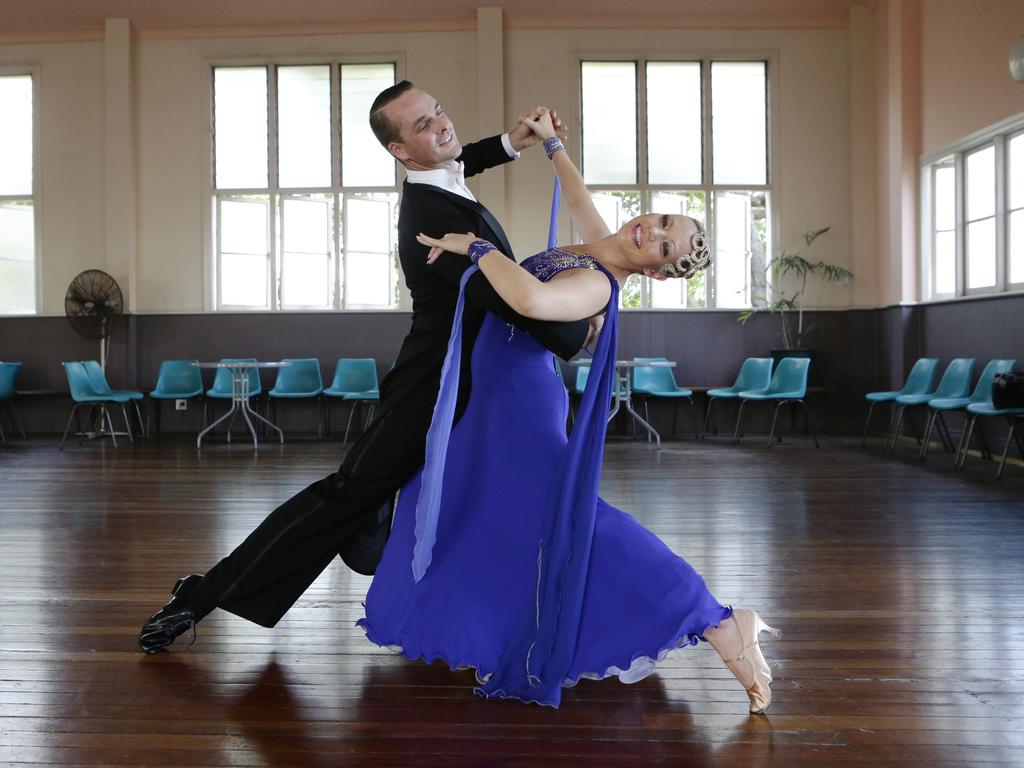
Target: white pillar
pixel 119 158
pixel 491 101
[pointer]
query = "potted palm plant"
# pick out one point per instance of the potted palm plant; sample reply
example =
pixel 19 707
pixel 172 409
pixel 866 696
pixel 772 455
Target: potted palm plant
pixel 782 289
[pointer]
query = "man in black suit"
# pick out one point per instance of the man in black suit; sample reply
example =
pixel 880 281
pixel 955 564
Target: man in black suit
pixel 349 511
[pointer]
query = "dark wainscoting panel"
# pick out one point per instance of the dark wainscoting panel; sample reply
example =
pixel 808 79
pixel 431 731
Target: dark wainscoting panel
pixel 856 351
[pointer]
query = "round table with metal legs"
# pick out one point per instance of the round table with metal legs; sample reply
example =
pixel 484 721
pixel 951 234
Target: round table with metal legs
pixel 240 399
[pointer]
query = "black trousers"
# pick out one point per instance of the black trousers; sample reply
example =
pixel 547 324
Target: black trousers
pixel 344 513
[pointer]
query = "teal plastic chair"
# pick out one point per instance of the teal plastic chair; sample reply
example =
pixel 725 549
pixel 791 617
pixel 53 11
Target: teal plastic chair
pixel 1011 414
pixel 755 373
pixel 355 381
pixel 82 393
pixel 950 395
pixel 301 380
pixel 659 381
pixel 176 380
pixel 981 397
pixel 8 374
pixel 100 386
pixel 920 381
pixel 788 385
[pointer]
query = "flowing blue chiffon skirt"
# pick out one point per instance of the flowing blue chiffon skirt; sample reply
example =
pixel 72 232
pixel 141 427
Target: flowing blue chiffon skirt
pixel 640 600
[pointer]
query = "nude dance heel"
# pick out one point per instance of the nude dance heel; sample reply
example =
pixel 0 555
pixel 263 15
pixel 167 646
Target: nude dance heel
pixel 750 657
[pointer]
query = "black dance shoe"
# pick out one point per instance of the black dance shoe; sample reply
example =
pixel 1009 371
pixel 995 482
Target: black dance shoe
pixel 173 619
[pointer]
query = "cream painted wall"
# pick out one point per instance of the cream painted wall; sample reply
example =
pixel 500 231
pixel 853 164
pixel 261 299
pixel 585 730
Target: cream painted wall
pixel 966 84
pixel 70 161
pixel 812 145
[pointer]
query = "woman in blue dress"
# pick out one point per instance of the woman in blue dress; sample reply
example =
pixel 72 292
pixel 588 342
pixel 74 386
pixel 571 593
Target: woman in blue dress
pixel 502 556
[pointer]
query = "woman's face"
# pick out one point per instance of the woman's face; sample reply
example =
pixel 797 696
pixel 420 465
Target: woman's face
pixel 656 239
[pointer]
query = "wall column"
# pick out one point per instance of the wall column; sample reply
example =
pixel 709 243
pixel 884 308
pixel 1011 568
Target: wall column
pixel 119 158
pixel 491 100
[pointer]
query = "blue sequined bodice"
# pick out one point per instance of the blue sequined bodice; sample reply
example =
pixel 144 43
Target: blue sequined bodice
pixel 549 263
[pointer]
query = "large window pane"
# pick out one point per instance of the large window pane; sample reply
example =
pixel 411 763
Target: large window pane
pixel 17 258
pixel 243 280
pixel 739 120
pixel 945 263
pixel 16 135
pixel 306 259
pixel 674 149
pixel 1016 245
pixel 1015 177
pixel 981 254
pixel 945 198
pixel 369 273
pixel 244 252
pixel 304 126
pixel 240 127
pixel 364 163
pixel 609 122
pixel 740 245
pixel 981 184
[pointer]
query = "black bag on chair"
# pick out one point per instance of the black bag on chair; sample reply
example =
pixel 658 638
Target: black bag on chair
pixel 1008 390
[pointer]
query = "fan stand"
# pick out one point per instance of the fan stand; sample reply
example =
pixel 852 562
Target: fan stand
pixel 102 418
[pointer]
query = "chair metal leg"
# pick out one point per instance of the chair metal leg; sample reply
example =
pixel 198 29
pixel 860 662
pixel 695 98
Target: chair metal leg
pixel 71 416
pixel 947 437
pixel 898 430
pixel 348 426
pixel 929 425
pixel 675 416
pixel 104 411
pixel 807 422
pixel 1006 448
pixel 739 422
pixel 698 432
pixel 127 424
pixel 15 421
pixel 867 424
pixel 775 416
pixel 960 460
pixel 707 417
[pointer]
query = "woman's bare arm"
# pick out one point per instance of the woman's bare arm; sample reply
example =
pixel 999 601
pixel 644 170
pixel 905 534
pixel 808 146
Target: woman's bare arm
pixel 575 295
pixel 588 221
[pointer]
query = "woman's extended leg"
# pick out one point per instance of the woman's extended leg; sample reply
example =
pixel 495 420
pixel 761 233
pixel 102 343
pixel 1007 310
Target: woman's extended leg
pixel 736 640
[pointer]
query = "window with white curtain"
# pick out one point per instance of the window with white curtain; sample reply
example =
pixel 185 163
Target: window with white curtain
pixel 683 137
pixel 17 196
pixel 305 199
pixel 972 209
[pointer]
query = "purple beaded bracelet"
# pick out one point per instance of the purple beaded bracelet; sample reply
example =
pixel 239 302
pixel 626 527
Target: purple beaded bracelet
pixel 478 248
pixel 552 144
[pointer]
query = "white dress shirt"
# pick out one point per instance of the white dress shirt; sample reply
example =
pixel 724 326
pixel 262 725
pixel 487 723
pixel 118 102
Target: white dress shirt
pixel 452 179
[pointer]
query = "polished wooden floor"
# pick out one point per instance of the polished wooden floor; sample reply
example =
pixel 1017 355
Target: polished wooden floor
pixel 899 587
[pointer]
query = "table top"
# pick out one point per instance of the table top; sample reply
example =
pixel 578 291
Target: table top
pixel 631 363
pixel 241 364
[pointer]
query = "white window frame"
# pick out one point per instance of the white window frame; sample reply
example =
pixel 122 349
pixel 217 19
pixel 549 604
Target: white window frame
pixel 277 194
pixel 997 136
pixel 33 72
pixel 647 190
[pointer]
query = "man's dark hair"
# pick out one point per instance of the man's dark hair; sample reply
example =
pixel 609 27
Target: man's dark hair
pixel 382 128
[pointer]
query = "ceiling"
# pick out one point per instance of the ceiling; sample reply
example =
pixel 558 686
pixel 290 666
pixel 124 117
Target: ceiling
pixel 46 18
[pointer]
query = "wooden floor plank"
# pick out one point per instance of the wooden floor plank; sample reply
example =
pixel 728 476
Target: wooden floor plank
pixel 897 584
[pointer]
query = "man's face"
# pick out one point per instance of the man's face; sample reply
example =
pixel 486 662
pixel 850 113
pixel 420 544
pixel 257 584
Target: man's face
pixel 428 138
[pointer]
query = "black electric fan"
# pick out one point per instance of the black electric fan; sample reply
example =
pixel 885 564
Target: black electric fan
pixel 94 306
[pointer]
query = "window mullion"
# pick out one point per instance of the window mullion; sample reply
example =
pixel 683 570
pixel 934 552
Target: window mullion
pixel 711 299
pixel 1001 218
pixel 961 225
pixel 274 196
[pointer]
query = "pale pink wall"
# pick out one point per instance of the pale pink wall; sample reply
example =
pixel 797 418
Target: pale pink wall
pixel 965 82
